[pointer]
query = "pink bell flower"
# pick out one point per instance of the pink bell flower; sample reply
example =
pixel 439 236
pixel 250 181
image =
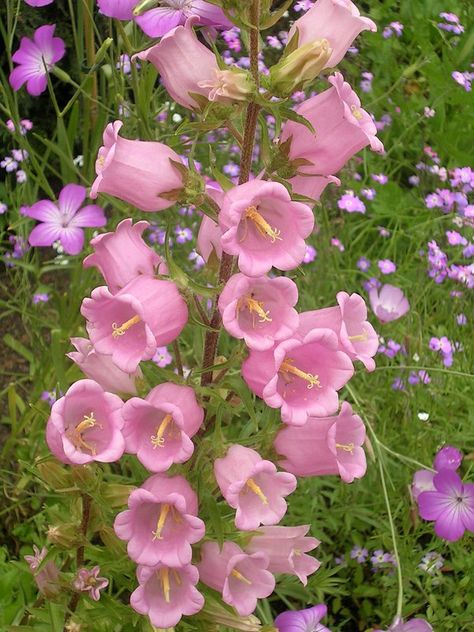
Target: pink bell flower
pixel 101 369
pixel 311 187
pixel 187 68
pixel 209 239
pixel 264 227
pixel 129 326
pixel 165 594
pixel 356 335
pixel 35 59
pixel 389 303
pixel 342 128
pixel 300 375
pixel 253 487
pixel 123 255
pixel 90 582
pixel 158 429
pixel 286 548
pixel 161 522
pixel 86 425
pixel 47 578
pixel 337 21
pixel 136 171
pixel 242 578
pixel 325 445
pixel 259 310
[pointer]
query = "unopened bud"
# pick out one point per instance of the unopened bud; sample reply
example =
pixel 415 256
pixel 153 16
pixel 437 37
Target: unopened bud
pixel 215 612
pixel 64 535
pixel 55 474
pixel 300 67
pixel 229 86
pixel 116 495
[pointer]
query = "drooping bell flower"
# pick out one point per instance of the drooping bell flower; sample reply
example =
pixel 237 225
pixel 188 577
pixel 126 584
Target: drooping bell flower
pixel 348 319
pixel 47 578
pixel 136 171
pixel 325 445
pixel 337 21
pixel 187 67
pixel 311 186
pixel 259 310
pixel 86 425
pixel 242 578
pixel 342 128
pixel 264 227
pixel 389 303
pixel 101 369
pixel 300 375
pixel 129 326
pixel 35 59
pixel 158 429
pixel 209 239
pixel 161 522
pixel 122 255
pixel 165 594
pixel 302 620
pixel 253 487
pixel 286 548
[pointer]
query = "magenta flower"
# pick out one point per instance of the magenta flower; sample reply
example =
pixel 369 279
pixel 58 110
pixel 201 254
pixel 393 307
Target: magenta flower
pixel 119 9
pixel 350 203
pixel 413 625
pixel 259 310
pixel 253 487
pixel 64 221
pixel 388 304
pixel 122 255
pixel 302 620
pixel 158 429
pixel 241 577
pixel 86 425
pixel 161 522
pixel 165 594
pixel 325 445
pixel 38 3
pixel 35 58
pixel 89 581
pixel 447 458
pixel 386 266
pixel 286 548
pixel 451 505
pixel 264 227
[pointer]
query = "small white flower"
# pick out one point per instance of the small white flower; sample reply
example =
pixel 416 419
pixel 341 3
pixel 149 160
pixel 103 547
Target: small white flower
pixel 423 416
pixel 416 357
pixel 177 118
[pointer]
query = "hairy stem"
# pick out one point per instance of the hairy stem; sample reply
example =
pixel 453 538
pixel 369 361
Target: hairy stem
pixel 86 512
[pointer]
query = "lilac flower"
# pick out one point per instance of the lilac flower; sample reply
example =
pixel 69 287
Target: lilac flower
pixel 394 28
pixel 64 222
pixel 414 181
pixel 428 112
pixel 303 5
pixel 366 83
pixel 363 264
pixel 461 319
pixel 431 562
pixel 351 203
pixel 35 58
pixel 302 620
pixel 231 169
pixel 451 505
pixel 40 297
pixel 359 554
pixel 379 557
pixel 21 176
pixel 372 284
pixel 19 154
pixel 369 194
pixel 383 232
pixel 89 581
pixel 310 254
pixel 162 357
pixel 3 208
pixel 183 234
pixel 468 251
pixel 384 122
pixel 49 396
pixel 463 79
pixel 198 260
pixel 274 42
pixel 25 126
pixel 380 178
pixel 398 384
pixel 337 243
pixel 455 238
pixel 386 266
pixel 9 164
pixel 124 64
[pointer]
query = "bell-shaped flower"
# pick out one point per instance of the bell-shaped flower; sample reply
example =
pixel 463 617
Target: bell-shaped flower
pixel 165 594
pixel 209 239
pixel 242 578
pixel 337 21
pixel 253 487
pixel 86 425
pixel 161 522
pixel 137 171
pixel 325 445
pixel 158 429
pixel 259 310
pixel 129 326
pixel 122 255
pixel 307 620
pixel 389 303
pixel 188 69
pixel 342 128
pixel 47 578
pixel 311 186
pixel 101 369
pixel 348 319
pixel 286 548
pixel 264 227
pixel 300 375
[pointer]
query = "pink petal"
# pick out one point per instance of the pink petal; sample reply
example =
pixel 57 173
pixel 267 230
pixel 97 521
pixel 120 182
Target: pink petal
pixel 71 199
pixel 158 22
pixel 43 211
pixel 88 216
pixel 44 234
pixel 72 240
pixel 36 85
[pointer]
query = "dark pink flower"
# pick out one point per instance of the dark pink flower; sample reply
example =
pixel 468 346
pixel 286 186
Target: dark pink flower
pixel 38 3
pixel 302 620
pixel 89 581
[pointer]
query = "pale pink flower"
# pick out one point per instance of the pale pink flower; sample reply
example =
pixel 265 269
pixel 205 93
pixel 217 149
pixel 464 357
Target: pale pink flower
pixel 136 171
pixel 129 326
pixel 325 445
pixel 311 186
pixel 122 255
pixel 161 522
pixel 259 310
pixel 165 594
pixel 253 487
pixel 158 429
pixel 86 425
pixel 101 369
pixel 47 578
pixel 337 21
pixel 264 227
pixel 300 375
pixel 389 303
pixel 209 239
pixel 89 581
pixel 286 548
pixel 242 578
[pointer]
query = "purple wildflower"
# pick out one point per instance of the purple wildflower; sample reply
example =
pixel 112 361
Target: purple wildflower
pixel 363 264
pixel 89 581
pixel 359 554
pixel 307 620
pixel 351 203
pixel 310 254
pixel 162 357
pixel 386 266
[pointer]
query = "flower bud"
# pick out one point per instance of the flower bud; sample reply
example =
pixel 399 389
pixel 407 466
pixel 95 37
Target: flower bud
pixel 65 535
pixel 54 474
pixel 299 67
pixel 217 613
pixel 116 495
